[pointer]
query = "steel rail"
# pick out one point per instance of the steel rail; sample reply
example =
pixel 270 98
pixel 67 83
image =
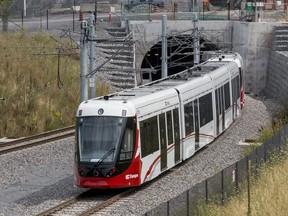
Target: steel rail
pixel 108 202
pixel 38 136
pixel 59 207
pixel 80 199
pixel 36 140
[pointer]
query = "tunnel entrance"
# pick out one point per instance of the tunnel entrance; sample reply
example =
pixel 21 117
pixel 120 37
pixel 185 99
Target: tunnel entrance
pixel 179 52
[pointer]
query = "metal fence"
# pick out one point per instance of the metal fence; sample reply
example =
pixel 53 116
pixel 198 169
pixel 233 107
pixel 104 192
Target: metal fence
pixel 179 11
pixel 45 20
pixel 224 184
pixel 15 18
pixel 214 10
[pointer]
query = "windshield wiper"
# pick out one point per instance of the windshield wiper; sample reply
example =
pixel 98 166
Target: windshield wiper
pixel 104 157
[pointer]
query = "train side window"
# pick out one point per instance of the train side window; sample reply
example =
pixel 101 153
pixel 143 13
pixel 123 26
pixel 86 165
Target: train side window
pixel 234 96
pixel 188 112
pixel 217 97
pixel 227 96
pixel 238 86
pixel 206 109
pixel 176 134
pixel 127 146
pixel 235 88
pixel 149 136
pixel 127 149
pixel 169 127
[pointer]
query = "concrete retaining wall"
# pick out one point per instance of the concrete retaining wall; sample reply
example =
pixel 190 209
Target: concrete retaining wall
pixel 277 74
pixel 250 40
pixel 277 77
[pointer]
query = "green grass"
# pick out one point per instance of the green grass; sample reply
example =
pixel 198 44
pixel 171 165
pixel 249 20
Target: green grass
pixel 280 120
pixel 277 123
pixel 38 96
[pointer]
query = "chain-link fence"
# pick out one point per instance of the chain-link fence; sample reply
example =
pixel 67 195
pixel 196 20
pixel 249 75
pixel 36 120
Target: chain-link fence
pixel 207 10
pixel 175 10
pixel 41 13
pixel 47 21
pixel 224 184
pixel 44 14
pixel 273 12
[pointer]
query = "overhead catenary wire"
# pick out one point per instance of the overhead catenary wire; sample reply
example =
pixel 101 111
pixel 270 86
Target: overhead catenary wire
pixel 171 63
pixel 69 48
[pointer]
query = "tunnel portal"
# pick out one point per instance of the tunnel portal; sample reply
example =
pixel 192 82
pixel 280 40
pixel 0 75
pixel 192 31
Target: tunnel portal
pixel 179 53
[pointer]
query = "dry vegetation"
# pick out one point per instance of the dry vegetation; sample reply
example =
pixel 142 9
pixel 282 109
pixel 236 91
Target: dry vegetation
pixel 38 96
pixel 269 190
pixel 268 194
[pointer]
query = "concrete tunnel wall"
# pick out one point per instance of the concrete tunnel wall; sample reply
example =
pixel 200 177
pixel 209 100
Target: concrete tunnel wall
pixel 250 40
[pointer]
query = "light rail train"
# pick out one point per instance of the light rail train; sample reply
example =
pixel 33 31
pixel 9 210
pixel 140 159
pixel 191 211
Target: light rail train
pixel 130 137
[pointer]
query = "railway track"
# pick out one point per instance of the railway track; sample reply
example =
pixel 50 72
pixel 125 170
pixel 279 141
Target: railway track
pixel 88 203
pixel 36 140
pixel 85 204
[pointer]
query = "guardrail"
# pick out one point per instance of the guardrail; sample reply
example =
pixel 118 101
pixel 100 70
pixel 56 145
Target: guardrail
pixel 226 183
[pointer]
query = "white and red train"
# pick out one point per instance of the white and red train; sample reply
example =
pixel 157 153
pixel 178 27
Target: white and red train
pixel 128 138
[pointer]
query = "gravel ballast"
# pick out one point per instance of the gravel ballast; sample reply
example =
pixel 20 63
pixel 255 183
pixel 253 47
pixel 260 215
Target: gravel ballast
pixel 37 178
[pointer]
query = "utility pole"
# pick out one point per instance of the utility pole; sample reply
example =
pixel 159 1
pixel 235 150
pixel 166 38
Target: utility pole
pixel 228 5
pixel 73 15
pixel 92 37
pixel 196 40
pixel 95 12
pixel 192 6
pixel 24 8
pixel 83 65
pixel 256 13
pixel 164 46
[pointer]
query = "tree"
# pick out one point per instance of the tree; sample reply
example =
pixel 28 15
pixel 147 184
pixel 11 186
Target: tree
pixel 4 14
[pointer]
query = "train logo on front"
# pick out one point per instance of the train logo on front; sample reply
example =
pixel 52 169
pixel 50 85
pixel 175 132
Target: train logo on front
pixel 131 176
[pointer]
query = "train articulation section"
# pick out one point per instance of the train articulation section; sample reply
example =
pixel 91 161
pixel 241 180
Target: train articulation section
pixel 128 138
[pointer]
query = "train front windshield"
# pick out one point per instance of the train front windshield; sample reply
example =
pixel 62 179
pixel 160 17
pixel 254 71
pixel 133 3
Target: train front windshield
pixel 99 137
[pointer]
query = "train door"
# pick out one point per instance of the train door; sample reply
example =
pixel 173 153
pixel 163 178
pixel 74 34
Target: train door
pixel 236 94
pixel 222 101
pixel 220 110
pixel 196 123
pixel 234 97
pixel 176 134
pixel 217 96
pixel 163 142
pixel 241 90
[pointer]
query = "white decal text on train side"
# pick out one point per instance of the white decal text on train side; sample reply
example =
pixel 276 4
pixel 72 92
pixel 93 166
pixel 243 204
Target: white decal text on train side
pixel 131 176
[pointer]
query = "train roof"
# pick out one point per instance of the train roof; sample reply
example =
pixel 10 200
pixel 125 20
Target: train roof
pixel 174 80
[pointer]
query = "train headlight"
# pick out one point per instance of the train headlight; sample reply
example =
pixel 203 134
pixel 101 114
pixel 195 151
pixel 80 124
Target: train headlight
pixel 80 171
pixel 111 172
pixel 95 173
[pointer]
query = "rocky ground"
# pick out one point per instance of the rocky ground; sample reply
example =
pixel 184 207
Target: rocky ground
pixel 37 178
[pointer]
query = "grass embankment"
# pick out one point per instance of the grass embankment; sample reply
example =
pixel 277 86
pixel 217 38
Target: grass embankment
pixel 268 193
pixel 38 95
